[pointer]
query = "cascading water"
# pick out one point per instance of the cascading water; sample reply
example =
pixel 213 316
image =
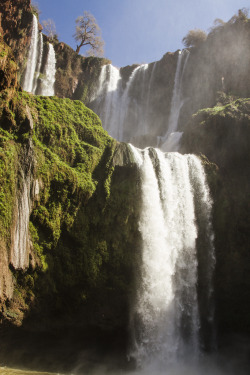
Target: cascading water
pixel 130 112
pixel 107 95
pixel 34 71
pixel 172 137
pixel 32 58
pixel 166 315
pixel 124 111
pixel 39 62
pixel 47 84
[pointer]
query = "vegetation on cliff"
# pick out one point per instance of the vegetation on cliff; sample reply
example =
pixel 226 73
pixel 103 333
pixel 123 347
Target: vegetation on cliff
pixel 220 63
pixel 83 219
pixel 76 76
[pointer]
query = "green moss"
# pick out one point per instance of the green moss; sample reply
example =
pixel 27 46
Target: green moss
pixel 8 171
pixel 233 108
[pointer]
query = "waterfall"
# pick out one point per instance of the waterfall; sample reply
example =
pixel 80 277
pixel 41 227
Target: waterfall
pixel 166 315
pixel 39 62
pixel 32 57
pixel 130 113
pixel 34 71
pixel 48 80
pixel 107 95
pixel 124 111
pixel 171 139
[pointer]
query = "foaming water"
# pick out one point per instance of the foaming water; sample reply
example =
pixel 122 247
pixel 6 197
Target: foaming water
pixel 166 320
pixel 231 360
pixel 38 79
pixel 170 141
pixel 32 57
pixel 125 111
pixel 128 110
pixel 47 83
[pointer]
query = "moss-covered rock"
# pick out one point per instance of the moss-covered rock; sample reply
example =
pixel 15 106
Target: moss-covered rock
pixel 222 133
pixel 83 231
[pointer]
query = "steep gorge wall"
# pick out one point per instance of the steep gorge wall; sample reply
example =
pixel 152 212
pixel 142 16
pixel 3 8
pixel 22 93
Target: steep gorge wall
pixel 220 64
pixel 15 27
pixel 69 204
pixel 222 133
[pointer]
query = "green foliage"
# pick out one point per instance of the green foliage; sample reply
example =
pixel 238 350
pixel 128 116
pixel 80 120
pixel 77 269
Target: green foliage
pixel 38 249
pixel 72 159
pixel 8 170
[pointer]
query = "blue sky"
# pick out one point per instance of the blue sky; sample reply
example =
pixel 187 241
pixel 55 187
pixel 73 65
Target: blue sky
pixel 138 31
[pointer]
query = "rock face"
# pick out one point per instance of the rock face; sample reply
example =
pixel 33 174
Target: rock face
pixel 8 79
pixel 221 63
pixel 15 25
pixel 134 103
pixel 68 217
pixel 222 133
pixel 76 76
pixel 209 68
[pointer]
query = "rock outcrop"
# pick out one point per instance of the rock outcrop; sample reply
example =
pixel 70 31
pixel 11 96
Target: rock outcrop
pixel 15 26
pixel 222 133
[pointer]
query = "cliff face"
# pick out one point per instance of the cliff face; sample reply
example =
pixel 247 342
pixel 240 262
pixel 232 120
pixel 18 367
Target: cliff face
pixel 222 133
pixel 8 78
pixel 69 208
pixel 221 63
pixel 209 68
pixel 15 26
pixel 76 76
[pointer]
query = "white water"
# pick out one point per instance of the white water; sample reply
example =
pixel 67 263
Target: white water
pixel 32 57
pixel 107 96
pixel 34 70
pixel 48 80
pixel 124 111
pixel 166 143
pixel 39 62
pixel 129 112
pixel 166 313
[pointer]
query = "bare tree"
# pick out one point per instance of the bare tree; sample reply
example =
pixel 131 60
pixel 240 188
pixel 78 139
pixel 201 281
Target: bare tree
pixel 88 33
pixel 49 29
pixel 194 38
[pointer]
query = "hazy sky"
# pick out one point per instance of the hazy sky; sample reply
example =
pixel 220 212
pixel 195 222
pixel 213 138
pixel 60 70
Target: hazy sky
pixel 138 31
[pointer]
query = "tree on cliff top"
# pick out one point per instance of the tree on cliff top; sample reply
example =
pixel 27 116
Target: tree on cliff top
pixel 49 29
pixel 88 33
pixel 194 38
